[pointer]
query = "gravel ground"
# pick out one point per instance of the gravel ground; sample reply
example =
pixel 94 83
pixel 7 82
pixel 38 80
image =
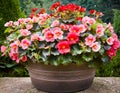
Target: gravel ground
pixel 23 85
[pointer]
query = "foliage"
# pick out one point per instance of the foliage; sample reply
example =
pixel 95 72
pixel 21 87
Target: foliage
pixel 113 69
pixel 116 21
pixel 11 69
pixel 9 10
pixel 66 35
pixel 27 5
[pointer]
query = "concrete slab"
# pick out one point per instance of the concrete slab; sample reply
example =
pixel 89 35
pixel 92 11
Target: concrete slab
pixel 24 85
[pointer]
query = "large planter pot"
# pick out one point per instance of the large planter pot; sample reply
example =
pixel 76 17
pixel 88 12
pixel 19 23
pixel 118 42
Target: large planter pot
pixel 61 79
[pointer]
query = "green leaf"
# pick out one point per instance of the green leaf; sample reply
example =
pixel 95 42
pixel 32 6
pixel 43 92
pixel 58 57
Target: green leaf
pixel 46 52
pixel 91 65
pixel 87 58
pixel 53 60
pixel 107 47
pixel 54 52
pixel 10 65
pixel 51 44
pixel 22 52
pixel 106 59
pixel 76 50
pixel 101 51
pixel 66 59
pixel 30 55
pixel 2 66
pixel 7 30
pixel 12 36
pixel 77 59
pixel 41 44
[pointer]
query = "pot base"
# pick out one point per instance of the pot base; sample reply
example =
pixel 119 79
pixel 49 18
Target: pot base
pixel 61 79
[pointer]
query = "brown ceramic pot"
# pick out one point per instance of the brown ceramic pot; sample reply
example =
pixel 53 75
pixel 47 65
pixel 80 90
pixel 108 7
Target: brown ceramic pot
pixel 61 79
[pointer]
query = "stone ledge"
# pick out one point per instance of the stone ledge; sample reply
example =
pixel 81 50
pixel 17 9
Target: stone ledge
pixel 23 85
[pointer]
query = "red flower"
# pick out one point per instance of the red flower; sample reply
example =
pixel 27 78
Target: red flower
pixel 63 47
pixel 72 38
pixel 71 7
pixel 82 9
pixel 92 12
pixel 24 58
pixel 111 52
pixel 34 9
pixel 78 8
pixel 32 14
pixel 55 5
pixel 99 13
pixel 42 10
pixel 62 8
pixel 116 44
pixel 79 18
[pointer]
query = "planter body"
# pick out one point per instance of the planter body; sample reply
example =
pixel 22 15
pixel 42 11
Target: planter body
pixel 61 79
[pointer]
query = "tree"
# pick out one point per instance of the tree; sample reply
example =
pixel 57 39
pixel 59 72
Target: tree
pixel 9 10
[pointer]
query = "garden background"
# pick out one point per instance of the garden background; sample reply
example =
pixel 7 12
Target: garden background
pixel 14 9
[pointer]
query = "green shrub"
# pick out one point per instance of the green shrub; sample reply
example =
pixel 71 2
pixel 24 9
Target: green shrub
pixel 110 69
pixel 116 21
pixel 9 10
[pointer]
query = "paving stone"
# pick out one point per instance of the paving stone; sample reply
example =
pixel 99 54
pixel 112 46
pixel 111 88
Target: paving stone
pixel 24 85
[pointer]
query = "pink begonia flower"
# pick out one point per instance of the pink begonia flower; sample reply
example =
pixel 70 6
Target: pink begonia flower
pixel 35 37
pixel 8 24
pixel 55 23
pixel 100 30
pixel 100 26
pixel 46 30
pixel 25 43
pixel 63 47
pixel 24 58
pixel 96 47
pixel 72 38
pixel 29 26
pixel 85 20
pixel 82 28
pixel 88 20
pixel 77 29
pixel 28 20
pixel 115 36
pixel 64 26
pixel 90 40
pixel 21 21
pixel 3 48
pixel 14 46
pixel 110 27
pixel 49 36
pixel 110 40
pixel 43 16
pixel 58 33
pixel 14 56
pixel 35 19
pixel 25 32
pixel 16 23
pixel 91 21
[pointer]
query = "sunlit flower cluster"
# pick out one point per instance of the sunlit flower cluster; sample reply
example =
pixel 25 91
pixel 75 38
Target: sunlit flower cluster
pixel 67 34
